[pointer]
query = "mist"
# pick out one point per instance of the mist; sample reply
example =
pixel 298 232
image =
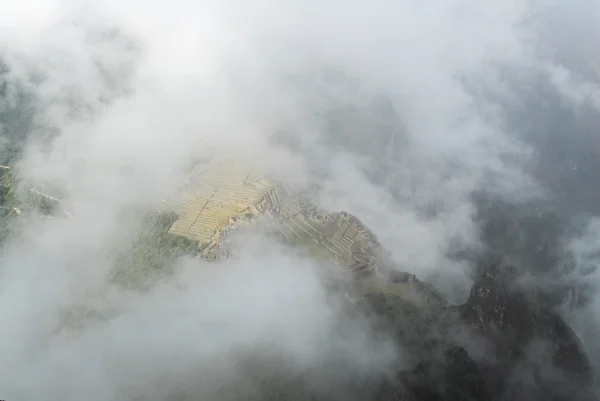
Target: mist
pixel 443 125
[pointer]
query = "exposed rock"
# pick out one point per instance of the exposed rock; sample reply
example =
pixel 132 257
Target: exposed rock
pixel 534 350
pixel 419 330
pixel 534 353
pixel 451 376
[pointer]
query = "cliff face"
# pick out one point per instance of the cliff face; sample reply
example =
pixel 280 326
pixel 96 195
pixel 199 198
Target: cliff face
pixel 530 351
pixel 535 350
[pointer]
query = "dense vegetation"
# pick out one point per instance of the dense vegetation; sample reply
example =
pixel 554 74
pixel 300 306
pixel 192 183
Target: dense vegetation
pixel 18 109
pixel 150 251
pixel 8 201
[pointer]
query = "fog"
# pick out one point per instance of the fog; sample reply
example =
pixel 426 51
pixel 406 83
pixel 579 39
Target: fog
pixel 406 114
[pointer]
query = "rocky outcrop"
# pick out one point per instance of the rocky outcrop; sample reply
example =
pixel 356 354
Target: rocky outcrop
pixel 531 352
pixel 450 376
pixel 534 353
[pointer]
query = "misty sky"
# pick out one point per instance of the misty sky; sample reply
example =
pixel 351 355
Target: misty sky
pixel 397 112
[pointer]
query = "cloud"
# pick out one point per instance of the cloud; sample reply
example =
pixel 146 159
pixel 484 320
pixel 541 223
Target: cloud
pixel 130 93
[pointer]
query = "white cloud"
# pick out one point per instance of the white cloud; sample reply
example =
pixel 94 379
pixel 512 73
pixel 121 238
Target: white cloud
pixel 136 89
